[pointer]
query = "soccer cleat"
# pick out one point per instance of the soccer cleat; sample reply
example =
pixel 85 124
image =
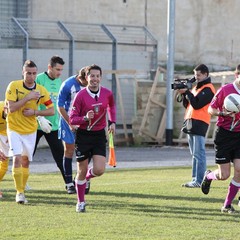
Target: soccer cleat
pixel 228 209
pixel 20 198
pixel 80 207
pixel 191 185
pixel 87 189
pixel 239 201
pixel 71 189
pixel 206 183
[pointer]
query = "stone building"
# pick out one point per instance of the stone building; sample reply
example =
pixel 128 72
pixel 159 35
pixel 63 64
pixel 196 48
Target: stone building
pixel 205 32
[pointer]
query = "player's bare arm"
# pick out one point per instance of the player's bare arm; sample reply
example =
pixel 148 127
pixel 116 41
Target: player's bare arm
pixel 30 112
pixel 47 112
pixel 65 116
pixel 112 128
pixel 216 112
pixel 13 106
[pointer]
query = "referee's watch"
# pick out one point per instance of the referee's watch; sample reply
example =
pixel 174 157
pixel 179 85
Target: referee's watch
pixel 85 119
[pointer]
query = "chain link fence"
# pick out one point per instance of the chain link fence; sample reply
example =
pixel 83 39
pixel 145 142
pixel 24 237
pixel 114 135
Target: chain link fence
pixel 113 47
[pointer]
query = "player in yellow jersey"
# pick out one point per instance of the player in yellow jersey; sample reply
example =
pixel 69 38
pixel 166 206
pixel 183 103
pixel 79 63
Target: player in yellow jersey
pixel 22 99
pixel 4 146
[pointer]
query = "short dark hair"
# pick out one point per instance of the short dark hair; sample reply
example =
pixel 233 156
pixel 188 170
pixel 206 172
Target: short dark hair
pixel 82 73
pixel 93 66
pixel 56 60
pixel 29 63
pixel 237 71
pixel 202 68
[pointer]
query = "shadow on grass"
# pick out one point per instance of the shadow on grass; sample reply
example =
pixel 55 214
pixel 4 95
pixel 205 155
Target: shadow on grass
pixel 161 197
pixel 156 210
pixel 165 211
pixel 57 196
pixel 36 197
pixel 136 203
pixel 168 211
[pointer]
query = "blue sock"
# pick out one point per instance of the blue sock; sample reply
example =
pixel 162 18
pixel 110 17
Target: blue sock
pixel 67 164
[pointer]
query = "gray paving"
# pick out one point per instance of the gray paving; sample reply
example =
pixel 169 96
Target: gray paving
pixel 128 157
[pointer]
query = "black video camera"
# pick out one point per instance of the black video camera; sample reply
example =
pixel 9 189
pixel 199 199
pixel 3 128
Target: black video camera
pixel 183 83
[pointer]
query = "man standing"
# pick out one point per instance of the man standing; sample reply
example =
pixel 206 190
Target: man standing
pixel 89 110
pixel 227 142
pixel 52 82
pixel 22 100
pixel 196 121
pixel 66 133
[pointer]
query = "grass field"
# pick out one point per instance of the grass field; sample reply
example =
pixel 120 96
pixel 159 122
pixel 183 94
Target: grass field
pixel 122 204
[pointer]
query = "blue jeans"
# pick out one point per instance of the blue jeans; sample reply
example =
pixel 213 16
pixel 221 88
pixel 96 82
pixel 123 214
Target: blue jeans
pixel 199 162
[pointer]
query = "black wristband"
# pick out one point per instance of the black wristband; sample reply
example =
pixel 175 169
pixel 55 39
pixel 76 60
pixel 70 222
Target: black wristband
pixel 85 119
pixel 110 122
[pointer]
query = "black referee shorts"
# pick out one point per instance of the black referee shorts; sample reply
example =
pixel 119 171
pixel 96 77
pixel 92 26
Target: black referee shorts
pixel 227 146
pixel 89 143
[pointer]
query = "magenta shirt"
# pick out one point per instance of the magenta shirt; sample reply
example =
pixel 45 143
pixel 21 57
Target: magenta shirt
pixel 84 102
pixel 217 103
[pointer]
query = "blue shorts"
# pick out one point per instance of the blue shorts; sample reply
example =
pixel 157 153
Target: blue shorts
pixel 65 133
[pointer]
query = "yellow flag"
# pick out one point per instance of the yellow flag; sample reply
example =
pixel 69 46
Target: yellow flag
pixel 112 158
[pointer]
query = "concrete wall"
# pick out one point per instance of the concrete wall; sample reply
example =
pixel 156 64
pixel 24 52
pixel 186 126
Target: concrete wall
pixel 13 71
pixel 11 62
pixel 206 31
pixel 155 116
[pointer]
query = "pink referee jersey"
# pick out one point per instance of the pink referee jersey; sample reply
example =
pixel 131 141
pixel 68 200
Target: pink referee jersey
pixel 101 103
pixel 217 103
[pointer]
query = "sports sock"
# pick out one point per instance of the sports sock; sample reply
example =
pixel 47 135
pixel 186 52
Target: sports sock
pixel 80 189
pixel 232 192
pixel 212 176
pixel 3 168
pixel 25 172
pixel 18 179
pixel 90 174
pixel 67 165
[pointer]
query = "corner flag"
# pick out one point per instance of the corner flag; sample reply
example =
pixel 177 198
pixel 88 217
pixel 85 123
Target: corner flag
pixel 112 158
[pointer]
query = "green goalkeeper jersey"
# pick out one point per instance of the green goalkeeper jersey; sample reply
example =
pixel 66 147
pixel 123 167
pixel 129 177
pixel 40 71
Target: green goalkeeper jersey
pixel 52 86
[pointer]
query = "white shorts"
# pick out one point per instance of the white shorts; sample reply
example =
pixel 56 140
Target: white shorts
pixel 21 144
pixel 4 145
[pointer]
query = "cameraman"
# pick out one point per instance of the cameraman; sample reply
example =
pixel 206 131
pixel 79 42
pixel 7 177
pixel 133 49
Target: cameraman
pixel 196 121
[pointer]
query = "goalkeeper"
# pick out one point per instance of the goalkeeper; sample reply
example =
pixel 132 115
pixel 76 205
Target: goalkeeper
pixel 48 126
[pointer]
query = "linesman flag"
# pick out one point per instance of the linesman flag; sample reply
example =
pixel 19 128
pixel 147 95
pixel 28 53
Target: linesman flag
pixel 112 158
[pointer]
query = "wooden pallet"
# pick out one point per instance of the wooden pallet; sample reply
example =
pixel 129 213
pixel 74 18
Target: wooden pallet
pixel 152 102
pixel 117 73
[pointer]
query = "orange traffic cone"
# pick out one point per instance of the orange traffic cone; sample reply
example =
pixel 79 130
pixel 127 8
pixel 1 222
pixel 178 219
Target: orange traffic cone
pixel 112 158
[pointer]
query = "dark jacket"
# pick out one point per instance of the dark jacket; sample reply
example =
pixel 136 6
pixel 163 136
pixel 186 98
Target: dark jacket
pixel 204 97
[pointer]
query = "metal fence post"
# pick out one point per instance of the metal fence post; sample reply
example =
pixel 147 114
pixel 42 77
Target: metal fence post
pixel 26 45
pixel 114 58
pixel 170 70
pixel 71 46
pixel 155 48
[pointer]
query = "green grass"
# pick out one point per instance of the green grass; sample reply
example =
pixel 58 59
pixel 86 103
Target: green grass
pixel 122 204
